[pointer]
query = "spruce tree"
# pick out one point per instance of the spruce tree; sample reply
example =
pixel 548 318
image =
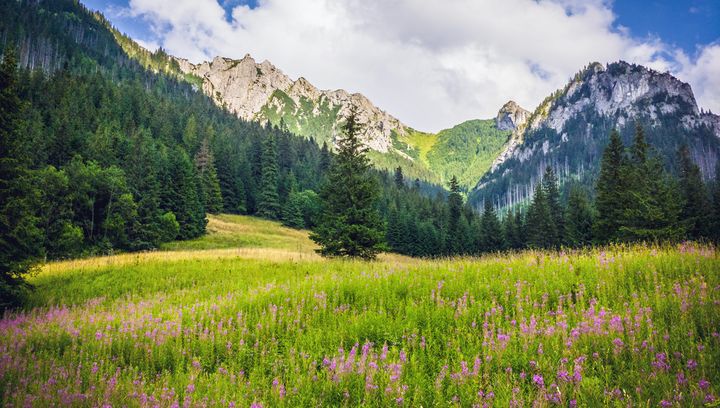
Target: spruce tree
pixel 696 210
pixel 182 195
pixel 209 183
pixel 539 224
pixel 651 206
pixel 557 213
pixel 399 178
pixel 293 211
pixel 611 191
pixel 492 232
pixel 269 200
pixel 350 225
pixel 455 204
pixel 578 219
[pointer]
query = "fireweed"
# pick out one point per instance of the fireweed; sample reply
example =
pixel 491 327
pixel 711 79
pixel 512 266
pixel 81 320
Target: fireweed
pixel 623 326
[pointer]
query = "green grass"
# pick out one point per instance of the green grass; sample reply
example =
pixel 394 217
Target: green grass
pixel 279 326
pixel 239 231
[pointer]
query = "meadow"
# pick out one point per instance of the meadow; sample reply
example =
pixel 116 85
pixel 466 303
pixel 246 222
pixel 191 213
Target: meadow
pixel 249 316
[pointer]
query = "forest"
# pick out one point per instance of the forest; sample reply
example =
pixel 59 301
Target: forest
pixel 101 153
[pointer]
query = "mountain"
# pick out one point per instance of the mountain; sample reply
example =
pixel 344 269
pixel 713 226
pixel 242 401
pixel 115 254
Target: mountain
pixel 261 92
pixel 570 129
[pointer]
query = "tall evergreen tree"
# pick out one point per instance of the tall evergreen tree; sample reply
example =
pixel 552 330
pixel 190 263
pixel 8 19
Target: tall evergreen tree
pixel 651 206
pixel 181 195
pixel 350 225
pixel 399 178
pixel 578 218
pixel 492 232
pixel 611 191
pixel 455 204
pixel 269 200
pixel 540 227
pixel 207 174
pixel 696 210
pixel 557 212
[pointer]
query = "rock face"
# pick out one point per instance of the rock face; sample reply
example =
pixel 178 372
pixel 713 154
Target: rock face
pixel 511 116
pixel 261 92
pixel 569 129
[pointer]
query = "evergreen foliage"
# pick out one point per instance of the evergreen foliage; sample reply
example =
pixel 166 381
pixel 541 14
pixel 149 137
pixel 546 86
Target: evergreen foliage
pixel 611 191
pixel 492 232
pixel 350 225
pixel 269 200
pixel 696 209
pixel 578 218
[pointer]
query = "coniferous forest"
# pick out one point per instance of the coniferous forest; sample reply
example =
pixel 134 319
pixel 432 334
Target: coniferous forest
pixel 104 155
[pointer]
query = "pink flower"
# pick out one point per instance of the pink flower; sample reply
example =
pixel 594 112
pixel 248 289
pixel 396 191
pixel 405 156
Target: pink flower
pixel 538 380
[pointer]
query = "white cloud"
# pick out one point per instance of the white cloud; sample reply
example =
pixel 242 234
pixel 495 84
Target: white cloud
pixel 431 63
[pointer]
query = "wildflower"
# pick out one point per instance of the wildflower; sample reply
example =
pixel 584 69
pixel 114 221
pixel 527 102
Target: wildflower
pixel 665 403
pixel 691 364
pixel 704 384
pixel 191 388
pixel 681 380
pixel 538 380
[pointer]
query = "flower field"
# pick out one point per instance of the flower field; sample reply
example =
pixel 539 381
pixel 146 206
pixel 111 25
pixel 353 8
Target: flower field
pixel 628 326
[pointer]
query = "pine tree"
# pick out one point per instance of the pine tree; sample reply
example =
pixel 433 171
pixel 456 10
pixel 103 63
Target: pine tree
pixel 539 224
pixel 651 207
pixel 492 232
pixel 269 200
pixel 350 225
pixel 209 183
pixel 557 212
pixel 696 210
pixel 190 134
pixel 399 178
pixel 293 211
pixel 325 158
pixel 611 191
pixel 181 195
pixel 455 204
pixel 578 219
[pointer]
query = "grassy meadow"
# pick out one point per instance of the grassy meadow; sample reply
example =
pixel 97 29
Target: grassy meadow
pixel 249 316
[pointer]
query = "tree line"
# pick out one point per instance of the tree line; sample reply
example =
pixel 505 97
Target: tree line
pixel 635 199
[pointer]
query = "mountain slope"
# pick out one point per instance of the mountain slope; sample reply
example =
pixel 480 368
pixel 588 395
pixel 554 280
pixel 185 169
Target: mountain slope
pixel 570 128
pixel 263 93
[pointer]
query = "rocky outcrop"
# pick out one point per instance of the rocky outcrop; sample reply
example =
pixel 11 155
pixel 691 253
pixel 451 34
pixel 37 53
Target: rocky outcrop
pixel 257 92
pixel 511 116
pixel 514 118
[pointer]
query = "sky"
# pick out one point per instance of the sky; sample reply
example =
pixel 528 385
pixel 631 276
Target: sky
pixel 436 63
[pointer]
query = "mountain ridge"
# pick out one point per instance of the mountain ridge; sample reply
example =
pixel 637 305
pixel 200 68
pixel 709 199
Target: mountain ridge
pixel 569 129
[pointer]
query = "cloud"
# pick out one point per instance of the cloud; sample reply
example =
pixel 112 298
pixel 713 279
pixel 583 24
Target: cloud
pixel 431 63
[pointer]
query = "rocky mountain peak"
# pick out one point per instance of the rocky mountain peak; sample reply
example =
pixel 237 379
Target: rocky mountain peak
pixel 619 90
pixel 262 92
pixel 511 116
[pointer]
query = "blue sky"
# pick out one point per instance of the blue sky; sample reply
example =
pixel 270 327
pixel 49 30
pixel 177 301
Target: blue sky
pixel 684 23
pixel 454 59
